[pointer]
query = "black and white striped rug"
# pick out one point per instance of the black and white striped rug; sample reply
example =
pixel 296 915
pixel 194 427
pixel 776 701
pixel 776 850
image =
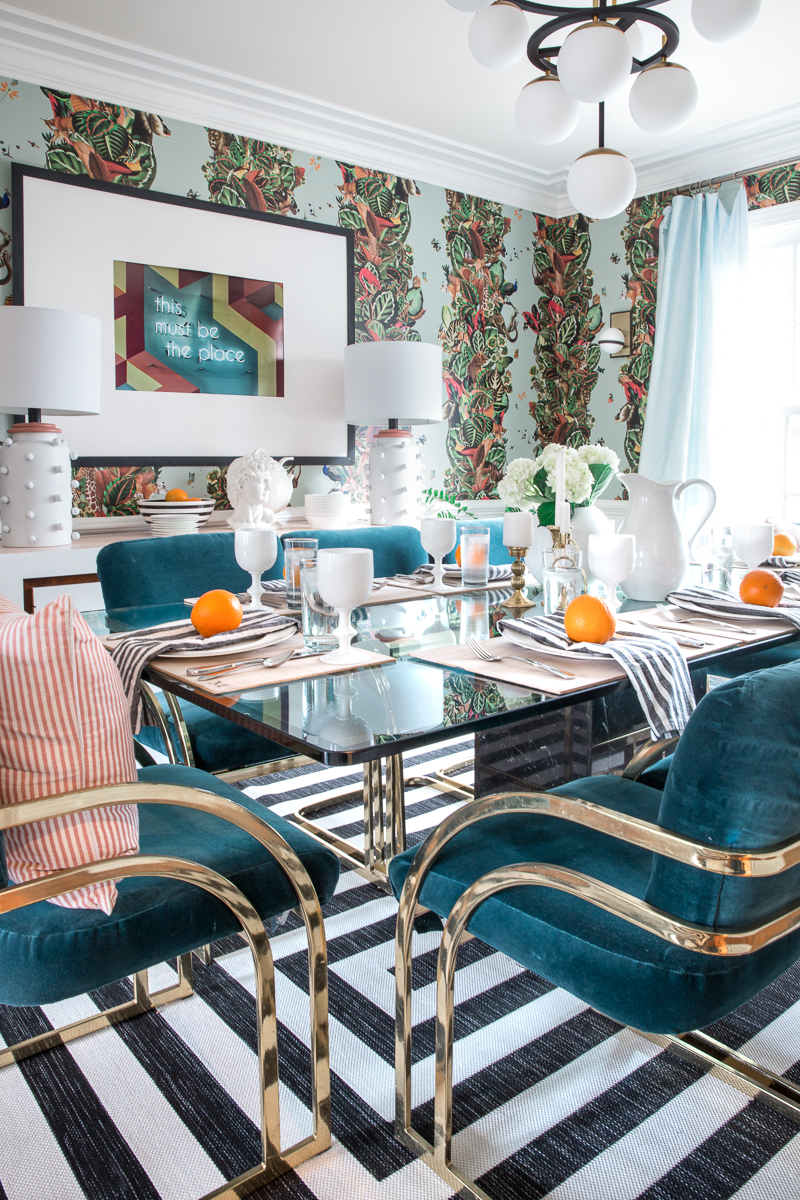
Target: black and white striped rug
pixel 551 1099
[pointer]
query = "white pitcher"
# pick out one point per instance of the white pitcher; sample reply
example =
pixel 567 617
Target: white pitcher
pixel 662 547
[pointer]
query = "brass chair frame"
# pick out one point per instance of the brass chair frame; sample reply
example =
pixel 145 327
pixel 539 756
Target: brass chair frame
pixel 698 1047
pixel 274 1160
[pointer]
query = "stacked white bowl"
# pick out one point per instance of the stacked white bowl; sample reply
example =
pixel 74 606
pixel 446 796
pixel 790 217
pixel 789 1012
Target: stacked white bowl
pixel 167 518
pixel 331 511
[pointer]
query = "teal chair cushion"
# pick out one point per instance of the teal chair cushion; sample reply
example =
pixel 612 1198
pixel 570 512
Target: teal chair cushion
pixel 396 549
pixel 775 656
pixel 49 953
pixel 498 554
pixel 734 781
pixel 656 776
pixel 632 976
pixel 168 570
pixel 217 744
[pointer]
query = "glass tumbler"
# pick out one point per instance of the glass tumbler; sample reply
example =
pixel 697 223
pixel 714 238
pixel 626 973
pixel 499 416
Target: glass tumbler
pixel 320 621
pixel 715 555
pixel 474 555
pixel 295 552
pixel 562 577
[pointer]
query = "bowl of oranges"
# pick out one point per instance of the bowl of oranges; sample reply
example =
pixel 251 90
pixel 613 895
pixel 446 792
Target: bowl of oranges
pixel 176 513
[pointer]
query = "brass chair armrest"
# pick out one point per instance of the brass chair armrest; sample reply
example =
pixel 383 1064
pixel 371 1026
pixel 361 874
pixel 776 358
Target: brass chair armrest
pixel 650 753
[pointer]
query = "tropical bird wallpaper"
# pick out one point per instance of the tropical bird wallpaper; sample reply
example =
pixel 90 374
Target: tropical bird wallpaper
pixel 515 298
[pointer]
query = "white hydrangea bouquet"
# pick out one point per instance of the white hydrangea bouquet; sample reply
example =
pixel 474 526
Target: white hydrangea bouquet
pixel 531 482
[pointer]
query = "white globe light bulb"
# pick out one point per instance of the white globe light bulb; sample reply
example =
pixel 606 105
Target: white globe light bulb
pixel 601 183
pixel 635 39
pixel 594 61
pixel 721 20
pixel 611 340
pixel 498 35
pixel 663 97
pixel 545 112
pixel 472 6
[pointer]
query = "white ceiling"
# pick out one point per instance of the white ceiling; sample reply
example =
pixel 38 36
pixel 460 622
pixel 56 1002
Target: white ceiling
pixel 393 85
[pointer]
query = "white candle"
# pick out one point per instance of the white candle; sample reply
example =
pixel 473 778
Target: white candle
pixel 562 507
pixel 518 529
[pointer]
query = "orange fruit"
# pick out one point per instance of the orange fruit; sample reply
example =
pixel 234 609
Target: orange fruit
pixel 784 544
pixel 589 619
pixel 458 555
pixel 176 494
pixel 761 587
pixel 216 612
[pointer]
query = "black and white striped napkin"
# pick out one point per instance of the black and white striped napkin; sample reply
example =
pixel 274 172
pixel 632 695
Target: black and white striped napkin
pixel 452 574
pixel 654 664
pixel 728 604
pixel 133 651
pixel 787 568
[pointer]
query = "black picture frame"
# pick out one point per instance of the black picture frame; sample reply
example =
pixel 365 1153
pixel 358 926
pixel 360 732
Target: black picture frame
pixel 20 172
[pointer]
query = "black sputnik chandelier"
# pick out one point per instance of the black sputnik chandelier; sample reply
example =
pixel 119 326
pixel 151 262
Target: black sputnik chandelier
pixel 604 45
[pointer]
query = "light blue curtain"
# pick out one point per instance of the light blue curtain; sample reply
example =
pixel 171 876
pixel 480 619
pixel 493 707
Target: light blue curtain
pixel 702 259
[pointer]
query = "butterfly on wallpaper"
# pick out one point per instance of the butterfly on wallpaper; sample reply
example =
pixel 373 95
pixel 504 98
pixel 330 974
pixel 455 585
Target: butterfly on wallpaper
pixel 437 247
pixel 615 259
pixel 192 194
pixel 30 143
pixel 5 199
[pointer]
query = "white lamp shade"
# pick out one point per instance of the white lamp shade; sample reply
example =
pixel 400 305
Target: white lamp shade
pixel 663 97
pixel 545 112
pixel 384 380
pixel 498 35
pixel 635 39
pixel 721 20
pixel 594 61
pixel 601 183
pixel 469 5
pixel 611 340
pixel 51 360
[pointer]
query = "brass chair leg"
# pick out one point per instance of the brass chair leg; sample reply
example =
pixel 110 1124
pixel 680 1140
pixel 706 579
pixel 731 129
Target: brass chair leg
pixel 143 1001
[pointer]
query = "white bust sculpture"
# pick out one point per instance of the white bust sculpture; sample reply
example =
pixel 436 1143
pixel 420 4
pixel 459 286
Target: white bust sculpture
pixel 258 487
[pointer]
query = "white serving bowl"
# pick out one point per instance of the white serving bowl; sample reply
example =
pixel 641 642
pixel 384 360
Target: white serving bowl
pixel 331 511
pixel 180 516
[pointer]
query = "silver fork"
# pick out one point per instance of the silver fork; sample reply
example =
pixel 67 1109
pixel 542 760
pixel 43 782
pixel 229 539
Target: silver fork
pixel 479 652
pixel 698 620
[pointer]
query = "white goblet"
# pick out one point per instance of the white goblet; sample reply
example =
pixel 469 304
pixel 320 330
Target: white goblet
pixel 256 548
pixel 611 558
pixel 752 543
pixel 438 537
pixel 344 579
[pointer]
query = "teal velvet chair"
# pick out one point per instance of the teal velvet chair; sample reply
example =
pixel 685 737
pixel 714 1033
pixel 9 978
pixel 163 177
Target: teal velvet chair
pixel 498 554
pixel 396 549
pixel 211 863
pixel 664 907
pixel 140 573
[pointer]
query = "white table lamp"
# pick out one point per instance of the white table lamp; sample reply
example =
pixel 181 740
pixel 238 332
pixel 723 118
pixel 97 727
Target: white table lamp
pixel 51 365
pixel 386 383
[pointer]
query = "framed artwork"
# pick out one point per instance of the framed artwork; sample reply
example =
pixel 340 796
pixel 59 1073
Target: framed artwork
pixel 622 320
pixel 223 328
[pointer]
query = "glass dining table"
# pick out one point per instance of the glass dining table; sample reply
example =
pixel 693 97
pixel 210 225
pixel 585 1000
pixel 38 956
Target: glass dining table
pixel 372 715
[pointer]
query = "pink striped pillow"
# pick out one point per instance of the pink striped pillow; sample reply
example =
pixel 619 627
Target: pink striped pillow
pixel 63 726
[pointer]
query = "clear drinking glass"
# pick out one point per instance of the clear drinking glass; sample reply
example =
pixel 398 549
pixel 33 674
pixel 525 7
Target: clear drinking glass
pixel 474 554
pixel 752 543
pixel 474 618
pixel 296 551
pixel 562 577
pixel 344 576
pixel 320 621
pixel 715 555
pixel 611 558
pixel 438 537
pixel 255 548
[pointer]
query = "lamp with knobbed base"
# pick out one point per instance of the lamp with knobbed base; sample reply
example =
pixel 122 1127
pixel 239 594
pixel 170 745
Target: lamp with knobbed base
pixel 51 365
pixel 386 383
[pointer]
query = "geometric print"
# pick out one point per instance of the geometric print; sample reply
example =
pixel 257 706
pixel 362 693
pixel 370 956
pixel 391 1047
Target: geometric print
pixel 551 1099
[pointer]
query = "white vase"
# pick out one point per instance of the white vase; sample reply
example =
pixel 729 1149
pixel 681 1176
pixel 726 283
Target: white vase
pixel 585 521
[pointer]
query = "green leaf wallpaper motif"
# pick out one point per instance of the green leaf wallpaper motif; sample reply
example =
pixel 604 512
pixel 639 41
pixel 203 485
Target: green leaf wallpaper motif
pixel 247 173
pixel 567 317
pixel 475 340
pixel 106 141
pixel 780 185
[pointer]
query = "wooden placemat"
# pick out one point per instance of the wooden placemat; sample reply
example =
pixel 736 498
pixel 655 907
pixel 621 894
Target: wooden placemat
pixel 588 672
pixel 242 681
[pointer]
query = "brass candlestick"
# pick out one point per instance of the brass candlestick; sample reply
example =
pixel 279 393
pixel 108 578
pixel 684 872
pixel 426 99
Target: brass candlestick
pixel 517 603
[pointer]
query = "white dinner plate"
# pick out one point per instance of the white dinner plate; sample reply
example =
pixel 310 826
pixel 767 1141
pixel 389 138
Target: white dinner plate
pixel 272 638
pixel 756 612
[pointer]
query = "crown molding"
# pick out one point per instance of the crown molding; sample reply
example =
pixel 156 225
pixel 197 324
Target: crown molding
pixel 39 50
